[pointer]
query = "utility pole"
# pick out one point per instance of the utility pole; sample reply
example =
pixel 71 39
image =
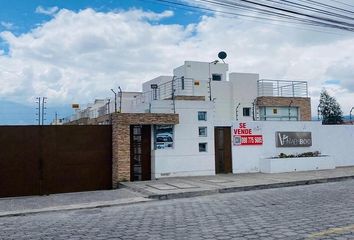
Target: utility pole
pixel 56 118
pixel 43 109
pixel 38 101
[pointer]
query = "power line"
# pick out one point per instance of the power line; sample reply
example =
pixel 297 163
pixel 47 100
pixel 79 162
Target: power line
pixel 310 27
pixel 324 15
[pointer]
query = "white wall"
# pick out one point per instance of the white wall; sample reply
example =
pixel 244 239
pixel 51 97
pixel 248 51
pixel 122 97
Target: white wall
pixel 127 101
pixel 338 141
pixel 185 159
pixel 335 141
pixel 222 96
pixel 200 70
pixel 158 80
pixel 244 90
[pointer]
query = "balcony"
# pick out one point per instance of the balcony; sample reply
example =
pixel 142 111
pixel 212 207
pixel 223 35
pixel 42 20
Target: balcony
pixel 281 88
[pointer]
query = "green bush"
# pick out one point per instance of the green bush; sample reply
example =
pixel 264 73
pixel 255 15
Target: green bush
pixel 305 154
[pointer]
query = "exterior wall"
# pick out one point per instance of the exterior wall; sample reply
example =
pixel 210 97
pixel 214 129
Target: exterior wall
pixel 244 92
pixel 200 70
pixel 158 80
pixel 184 159
pixel 304 104
pixel 121 139
pixel 222 97
pixel 337 141
pixel 127 101
pixel 249 158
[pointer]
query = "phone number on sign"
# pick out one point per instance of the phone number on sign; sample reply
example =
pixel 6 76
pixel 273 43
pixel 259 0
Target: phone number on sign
pixel 248 140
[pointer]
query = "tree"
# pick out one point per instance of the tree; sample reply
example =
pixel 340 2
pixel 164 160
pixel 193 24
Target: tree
pixel 330 109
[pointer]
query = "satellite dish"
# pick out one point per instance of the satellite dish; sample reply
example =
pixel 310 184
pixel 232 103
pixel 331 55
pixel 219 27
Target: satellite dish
pixel 222 55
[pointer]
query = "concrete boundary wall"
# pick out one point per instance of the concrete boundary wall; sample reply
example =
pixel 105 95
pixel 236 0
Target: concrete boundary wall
pixel 333 140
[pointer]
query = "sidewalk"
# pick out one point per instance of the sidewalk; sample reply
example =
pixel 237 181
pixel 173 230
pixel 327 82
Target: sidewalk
pixel 167 188
pixel 68 201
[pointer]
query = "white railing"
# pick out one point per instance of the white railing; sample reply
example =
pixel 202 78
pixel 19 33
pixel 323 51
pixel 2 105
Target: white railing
pixel 281 88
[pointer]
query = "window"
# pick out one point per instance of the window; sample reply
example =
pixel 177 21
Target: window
pixel 202 147
pixel 202 116
pixel 279 113
pixel 246 112
pixel 216 77
pixel 203 131
pixel 163 136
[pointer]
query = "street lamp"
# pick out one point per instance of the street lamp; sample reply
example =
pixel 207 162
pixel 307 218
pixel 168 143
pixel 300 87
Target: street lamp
pixel 120 99
pixel 115 100
pixel 213 62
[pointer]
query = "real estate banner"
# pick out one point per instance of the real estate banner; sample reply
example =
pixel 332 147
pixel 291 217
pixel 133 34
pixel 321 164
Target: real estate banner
pixel 247 134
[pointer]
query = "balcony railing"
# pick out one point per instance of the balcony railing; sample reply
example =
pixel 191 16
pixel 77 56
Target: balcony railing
pixel 281 88
pixel 167 90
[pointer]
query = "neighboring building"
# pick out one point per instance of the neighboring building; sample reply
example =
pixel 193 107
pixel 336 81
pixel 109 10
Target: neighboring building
pixel 206 101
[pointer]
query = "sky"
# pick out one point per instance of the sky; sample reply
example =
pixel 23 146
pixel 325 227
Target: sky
pixel 76 51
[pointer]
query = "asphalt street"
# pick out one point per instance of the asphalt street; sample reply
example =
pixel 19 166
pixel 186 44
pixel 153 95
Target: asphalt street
pixel 320 211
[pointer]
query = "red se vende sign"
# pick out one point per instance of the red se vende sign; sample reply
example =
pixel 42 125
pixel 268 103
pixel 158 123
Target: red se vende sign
pixel 244 136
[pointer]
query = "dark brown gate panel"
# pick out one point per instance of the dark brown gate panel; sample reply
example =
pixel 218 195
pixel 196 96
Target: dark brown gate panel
pixel 223 159
pixel 140 152
pixel 80 158
pixel 19 162
pixel 38 160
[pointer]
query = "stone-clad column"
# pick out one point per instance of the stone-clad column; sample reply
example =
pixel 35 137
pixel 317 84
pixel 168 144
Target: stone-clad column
pixel 120 151
pixel 123 150
pixel 121 139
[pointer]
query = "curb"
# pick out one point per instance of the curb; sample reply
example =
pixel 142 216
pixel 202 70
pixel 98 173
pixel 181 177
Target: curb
pixel 93 205
pixel 153 197
pixel 247 188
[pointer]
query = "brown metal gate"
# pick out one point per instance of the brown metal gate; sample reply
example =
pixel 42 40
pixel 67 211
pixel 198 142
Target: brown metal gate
pixel 36 160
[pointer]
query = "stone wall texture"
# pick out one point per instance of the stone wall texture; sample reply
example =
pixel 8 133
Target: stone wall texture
pixel 304 104
pixel 121 139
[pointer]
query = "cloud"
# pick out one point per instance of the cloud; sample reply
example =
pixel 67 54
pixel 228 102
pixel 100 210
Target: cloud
pixel 79 56
pixel 7 25
pixel 47 11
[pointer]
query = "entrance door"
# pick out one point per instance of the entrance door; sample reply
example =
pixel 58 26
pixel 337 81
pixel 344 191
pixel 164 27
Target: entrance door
pixel 223 159
pixel 140 152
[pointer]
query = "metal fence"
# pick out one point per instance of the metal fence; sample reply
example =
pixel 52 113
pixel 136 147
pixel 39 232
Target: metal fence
pixel 281 88
pixel 168 90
